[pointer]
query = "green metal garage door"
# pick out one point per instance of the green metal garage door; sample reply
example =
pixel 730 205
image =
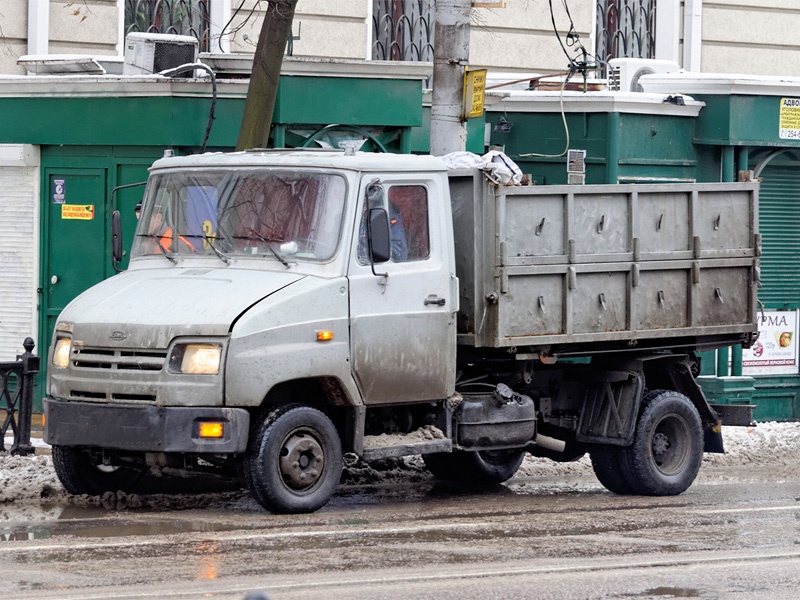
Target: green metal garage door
pixel 779 217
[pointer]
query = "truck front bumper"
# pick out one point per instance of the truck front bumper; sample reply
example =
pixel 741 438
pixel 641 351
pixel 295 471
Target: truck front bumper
pixel 144 428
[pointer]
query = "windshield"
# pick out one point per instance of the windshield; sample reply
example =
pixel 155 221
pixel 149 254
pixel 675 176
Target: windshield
pixel 281 214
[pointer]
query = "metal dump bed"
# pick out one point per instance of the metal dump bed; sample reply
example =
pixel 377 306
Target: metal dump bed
pixel 605 266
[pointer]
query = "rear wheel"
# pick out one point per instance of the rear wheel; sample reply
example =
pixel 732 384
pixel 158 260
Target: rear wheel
pixel 608 467
pixel 667 448
pixel 79 475
pixel 484 466
pixel 294 462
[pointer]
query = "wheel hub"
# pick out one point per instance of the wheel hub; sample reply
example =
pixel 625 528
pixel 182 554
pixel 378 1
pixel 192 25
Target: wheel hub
pixel 661 444
pixel 302 461
pixel 670 444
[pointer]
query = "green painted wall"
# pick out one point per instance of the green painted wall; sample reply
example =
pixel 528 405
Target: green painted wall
pixel 180 122
pixel 740 120
pixel 619 146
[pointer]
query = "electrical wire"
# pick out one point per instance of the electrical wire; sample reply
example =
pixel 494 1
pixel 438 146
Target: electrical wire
pixel 572 41
pixel 191 67
pixel 240 26
pixel 563 120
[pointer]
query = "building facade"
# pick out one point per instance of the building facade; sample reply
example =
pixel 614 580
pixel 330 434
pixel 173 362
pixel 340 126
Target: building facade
pixel 713 36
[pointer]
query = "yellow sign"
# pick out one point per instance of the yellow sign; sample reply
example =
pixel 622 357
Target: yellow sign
pixel 79 212
pixel 474 89
pixel 790 119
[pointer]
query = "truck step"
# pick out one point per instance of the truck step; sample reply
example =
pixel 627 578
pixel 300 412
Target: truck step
pixel 425 440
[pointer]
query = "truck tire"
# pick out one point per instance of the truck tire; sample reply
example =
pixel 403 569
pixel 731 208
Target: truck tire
pixel 667 448
pixel 79 475
pixel 294 461
pixel 483 466
pixel 607 466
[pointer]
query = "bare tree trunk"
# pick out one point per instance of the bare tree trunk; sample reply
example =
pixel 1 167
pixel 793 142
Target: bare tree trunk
pixel 450 57
pixel 264 78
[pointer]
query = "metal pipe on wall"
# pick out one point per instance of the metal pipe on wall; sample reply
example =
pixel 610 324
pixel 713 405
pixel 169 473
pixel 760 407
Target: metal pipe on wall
pixel 38 26
pixel 692 34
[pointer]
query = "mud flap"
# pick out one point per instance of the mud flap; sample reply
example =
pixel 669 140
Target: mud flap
pixel 713 439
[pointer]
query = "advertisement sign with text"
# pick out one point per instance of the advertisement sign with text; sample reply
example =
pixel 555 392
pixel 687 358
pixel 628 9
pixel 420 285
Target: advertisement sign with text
pixel 775 351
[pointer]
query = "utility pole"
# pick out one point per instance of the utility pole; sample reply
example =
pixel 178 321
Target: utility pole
pixel 266 74
pixel 450 58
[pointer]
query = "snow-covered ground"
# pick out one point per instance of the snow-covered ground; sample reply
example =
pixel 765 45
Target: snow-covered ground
pixel 25 480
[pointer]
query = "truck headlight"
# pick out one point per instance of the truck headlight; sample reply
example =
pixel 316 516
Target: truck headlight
pixel 196 359
pixel 61 352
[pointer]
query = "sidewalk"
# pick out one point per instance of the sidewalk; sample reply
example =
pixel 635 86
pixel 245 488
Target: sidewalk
pixel 36 435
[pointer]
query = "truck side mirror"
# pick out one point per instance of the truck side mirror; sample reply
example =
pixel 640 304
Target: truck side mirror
pixel 378 236
pixel 116 237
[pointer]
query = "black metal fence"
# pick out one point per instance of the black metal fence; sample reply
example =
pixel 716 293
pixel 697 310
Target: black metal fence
pixel 16 398
pixel 625 28
pixel 402 30
pixel 179 17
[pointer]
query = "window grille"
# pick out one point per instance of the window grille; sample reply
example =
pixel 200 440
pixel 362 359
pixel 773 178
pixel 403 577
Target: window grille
pixel 179 17
pixel 402 30
pixel 625 29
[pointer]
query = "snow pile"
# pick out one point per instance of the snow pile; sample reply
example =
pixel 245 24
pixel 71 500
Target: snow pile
pixel 768 444
pixel 27 478
pixel 32 478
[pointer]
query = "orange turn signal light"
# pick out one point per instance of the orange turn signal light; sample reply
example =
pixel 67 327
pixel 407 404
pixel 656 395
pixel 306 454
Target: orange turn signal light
pixel 211 430
pixel 325 335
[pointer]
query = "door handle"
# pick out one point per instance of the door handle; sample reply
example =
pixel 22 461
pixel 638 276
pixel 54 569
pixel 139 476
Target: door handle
pixel 435 300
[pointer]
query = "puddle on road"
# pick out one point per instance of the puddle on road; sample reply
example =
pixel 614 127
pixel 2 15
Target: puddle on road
pixel 93 522
pixel 671 592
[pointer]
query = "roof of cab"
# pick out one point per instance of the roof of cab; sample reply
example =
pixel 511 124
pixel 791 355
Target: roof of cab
pixel 333 159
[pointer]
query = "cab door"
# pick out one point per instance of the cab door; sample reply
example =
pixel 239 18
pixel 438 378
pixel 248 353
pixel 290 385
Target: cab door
pixel 402 316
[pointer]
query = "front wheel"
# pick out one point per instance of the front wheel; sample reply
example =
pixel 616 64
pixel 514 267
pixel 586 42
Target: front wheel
pixel 483 466
pixel 294 461
pixel 667 448
pixel 80 475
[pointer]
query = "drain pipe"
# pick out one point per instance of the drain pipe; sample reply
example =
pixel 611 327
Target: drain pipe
pixel 38 26
pixel 692 35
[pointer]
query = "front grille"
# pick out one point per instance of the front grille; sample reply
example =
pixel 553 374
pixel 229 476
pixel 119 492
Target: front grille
pixel 122 360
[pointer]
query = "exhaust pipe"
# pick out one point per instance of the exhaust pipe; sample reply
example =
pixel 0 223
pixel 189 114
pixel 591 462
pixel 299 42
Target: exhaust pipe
pixel 550 443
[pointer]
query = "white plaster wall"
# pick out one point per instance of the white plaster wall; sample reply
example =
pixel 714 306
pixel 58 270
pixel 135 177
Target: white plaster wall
pixel 13 34
pixel 758 37
pixel 328 28
pixel 84 28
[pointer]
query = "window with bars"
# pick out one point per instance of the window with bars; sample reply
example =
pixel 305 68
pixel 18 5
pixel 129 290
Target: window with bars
pixel 625 29
pixel 402 30
pixel 179 17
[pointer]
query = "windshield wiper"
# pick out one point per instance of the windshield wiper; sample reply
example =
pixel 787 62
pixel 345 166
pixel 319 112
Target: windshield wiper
pixel 164 252
pixel 211 245
pixel 269 242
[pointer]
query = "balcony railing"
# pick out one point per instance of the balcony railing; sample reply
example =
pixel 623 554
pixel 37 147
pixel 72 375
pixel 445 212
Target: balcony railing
pixel 626 28
pixel 179 17
pixel 402 30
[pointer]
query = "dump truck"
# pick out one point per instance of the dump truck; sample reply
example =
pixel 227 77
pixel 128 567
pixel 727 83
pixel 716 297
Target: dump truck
pixel 285 311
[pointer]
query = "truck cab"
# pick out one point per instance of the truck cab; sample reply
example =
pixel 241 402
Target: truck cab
pixel 252 283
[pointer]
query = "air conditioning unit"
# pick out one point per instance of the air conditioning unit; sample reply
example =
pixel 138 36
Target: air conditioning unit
pixel 624 73
pixel 148 53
